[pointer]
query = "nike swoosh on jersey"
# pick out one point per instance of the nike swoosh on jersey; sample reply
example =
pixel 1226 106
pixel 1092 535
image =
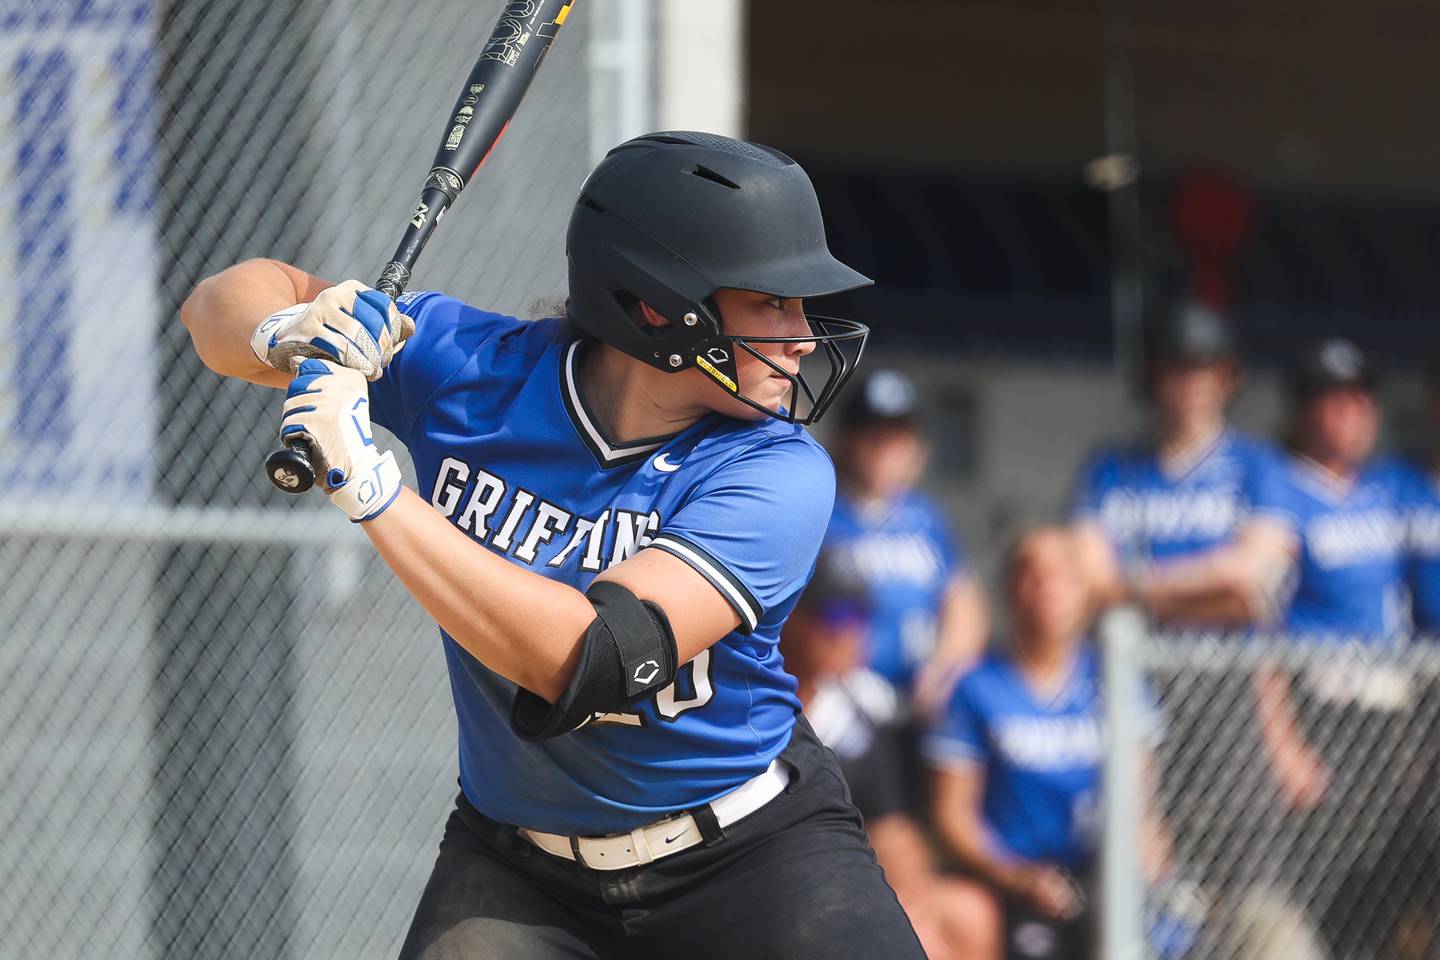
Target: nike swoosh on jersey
pixel 664 465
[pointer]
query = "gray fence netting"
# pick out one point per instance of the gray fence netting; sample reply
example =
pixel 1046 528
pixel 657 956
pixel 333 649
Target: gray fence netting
pixel 224 729
pixel 1324 843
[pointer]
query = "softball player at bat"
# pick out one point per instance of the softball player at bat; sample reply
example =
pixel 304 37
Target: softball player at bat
pixel 617 511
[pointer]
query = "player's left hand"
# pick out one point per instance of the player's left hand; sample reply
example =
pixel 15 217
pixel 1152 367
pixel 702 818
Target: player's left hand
pixel 329 405
pixel 349 323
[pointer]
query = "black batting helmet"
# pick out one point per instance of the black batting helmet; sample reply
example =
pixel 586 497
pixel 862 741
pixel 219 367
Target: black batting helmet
pixel 1329 364
pixel 881 396
pixel 669 219
pixel 1189 332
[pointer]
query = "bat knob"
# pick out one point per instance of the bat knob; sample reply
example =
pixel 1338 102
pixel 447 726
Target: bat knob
pixel 290 469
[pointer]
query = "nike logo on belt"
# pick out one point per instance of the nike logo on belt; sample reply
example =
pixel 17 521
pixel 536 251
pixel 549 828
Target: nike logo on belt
pixel 677 836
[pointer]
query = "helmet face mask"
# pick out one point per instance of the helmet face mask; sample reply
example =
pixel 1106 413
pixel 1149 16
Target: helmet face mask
pixel 838 347
pixel 669 220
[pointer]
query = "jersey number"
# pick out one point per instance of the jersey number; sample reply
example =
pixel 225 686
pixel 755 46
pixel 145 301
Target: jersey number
pixel 691 688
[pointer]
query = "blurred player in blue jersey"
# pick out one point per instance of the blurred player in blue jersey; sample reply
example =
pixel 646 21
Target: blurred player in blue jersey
pixel 928 617
pixel 1017 758
pixel 1335 514
pixel 857 713
pixel 1155 519
pixel 616 512
pixel 1345 507
pixel 1328 721
pixel 1393 898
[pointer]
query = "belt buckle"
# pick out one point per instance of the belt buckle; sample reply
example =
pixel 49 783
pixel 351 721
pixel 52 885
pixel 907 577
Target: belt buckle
pixel 639 848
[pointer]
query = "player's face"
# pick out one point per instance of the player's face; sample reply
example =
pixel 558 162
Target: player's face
pixel 1192 395
pixel 747 314
pixel 1049 602
pixel 1341 426
pixel 885 459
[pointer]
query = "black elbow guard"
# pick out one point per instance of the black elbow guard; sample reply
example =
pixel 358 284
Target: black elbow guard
pixel 627 651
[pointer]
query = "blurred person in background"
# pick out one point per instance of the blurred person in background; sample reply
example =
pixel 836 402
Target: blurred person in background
pixel 1339 725
pixel 1153 518
pixel 1181 523
pixel 1398 897
pixel 929 620
pixel 1342 552
pixel 857 713
pixel 1017 758
pixel 1343 506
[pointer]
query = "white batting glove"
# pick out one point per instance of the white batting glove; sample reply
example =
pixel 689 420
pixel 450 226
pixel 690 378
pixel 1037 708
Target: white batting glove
pixel 349 323
pixel 329 405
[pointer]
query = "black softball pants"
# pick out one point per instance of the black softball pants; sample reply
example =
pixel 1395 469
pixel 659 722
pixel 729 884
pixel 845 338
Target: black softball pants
pixel 795 879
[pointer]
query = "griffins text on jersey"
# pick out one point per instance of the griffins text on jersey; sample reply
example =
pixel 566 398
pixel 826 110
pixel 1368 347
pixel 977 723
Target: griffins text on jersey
pixel 526 524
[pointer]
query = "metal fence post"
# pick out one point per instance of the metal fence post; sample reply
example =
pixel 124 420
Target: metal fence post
pixel 1122 922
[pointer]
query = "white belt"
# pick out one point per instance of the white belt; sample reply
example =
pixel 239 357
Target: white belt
pixel 671 835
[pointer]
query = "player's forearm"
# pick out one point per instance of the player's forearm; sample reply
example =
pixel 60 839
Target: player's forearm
pixel 1279 725
pixel 965 838
pixel 1218 601
pixel 964 623
pixel 223 311
pixel 1156 854
pixel 524 627
pixel 1221 586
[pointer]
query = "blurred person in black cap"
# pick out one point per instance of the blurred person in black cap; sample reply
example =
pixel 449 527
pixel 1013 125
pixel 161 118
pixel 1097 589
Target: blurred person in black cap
pixel 1395 901
pixel 1338 726
pixel 1342 506
pixel 857 713
pixel 1154 518
pixel 928 616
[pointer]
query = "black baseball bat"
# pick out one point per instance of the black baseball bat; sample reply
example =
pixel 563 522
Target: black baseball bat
pixel 482 112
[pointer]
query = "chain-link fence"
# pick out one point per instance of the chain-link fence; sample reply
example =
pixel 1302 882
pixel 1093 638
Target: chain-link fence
pixel 224 729
pixel 1297 785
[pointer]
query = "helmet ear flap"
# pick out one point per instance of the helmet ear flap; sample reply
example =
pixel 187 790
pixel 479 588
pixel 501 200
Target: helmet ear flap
pixel 685 335
pixel 609 279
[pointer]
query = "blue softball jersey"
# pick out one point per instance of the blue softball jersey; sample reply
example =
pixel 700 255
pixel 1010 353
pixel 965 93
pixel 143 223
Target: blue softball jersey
pixel 505 448
pixel 904 556
pixel 1154 512
pixel 1349 575
pixel 1040 754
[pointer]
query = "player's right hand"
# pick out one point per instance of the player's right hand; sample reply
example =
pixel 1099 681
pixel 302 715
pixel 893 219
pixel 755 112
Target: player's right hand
pixel 349 324
pixel 1052 891
pixel 329 407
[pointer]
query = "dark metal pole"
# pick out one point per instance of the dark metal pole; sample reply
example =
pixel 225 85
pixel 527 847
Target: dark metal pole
pixel 1118 173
